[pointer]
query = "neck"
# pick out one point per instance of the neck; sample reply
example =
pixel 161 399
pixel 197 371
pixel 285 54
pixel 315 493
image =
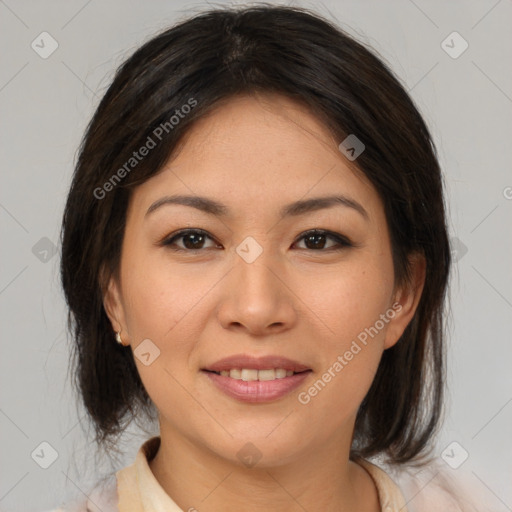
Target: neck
pixel 323 478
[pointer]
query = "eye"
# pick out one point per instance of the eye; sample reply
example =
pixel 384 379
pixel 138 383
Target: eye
pixel 193 239
pixel 316 240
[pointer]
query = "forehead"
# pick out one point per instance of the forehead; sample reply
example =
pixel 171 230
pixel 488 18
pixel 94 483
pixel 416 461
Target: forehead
pixel 258 128
pixel 258 151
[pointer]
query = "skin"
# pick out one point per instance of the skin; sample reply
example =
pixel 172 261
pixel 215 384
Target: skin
pixel 255 154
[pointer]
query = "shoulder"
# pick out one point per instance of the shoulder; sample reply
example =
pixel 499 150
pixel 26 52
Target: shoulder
pixel 103 496
pixel 435 485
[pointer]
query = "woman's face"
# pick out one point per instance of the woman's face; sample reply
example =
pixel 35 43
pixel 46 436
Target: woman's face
pixel 255 282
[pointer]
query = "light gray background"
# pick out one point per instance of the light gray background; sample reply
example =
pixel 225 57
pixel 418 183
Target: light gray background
pixel 45 105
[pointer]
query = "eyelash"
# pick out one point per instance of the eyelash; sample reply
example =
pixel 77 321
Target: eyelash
pixel 342 241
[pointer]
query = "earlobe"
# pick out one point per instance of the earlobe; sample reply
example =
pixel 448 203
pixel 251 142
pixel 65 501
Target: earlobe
pixel 406 300
pixel 113 306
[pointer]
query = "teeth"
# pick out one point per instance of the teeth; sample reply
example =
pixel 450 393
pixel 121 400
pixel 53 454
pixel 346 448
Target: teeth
pixel 248 375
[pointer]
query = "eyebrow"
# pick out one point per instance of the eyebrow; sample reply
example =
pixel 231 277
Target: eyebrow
pixel 296 208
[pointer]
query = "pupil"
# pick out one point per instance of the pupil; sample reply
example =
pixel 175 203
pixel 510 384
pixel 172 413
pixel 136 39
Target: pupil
pixel 196 240
pixel 316 244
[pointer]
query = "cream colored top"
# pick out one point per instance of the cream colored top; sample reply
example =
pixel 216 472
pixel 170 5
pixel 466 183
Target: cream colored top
pixel 135 489
pixel 139 491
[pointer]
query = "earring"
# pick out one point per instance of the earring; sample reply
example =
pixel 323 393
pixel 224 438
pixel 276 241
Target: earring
pixel 118 338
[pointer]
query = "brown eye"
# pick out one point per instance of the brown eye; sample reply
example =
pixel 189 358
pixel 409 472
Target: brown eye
pixel 317 240
pixel 192 239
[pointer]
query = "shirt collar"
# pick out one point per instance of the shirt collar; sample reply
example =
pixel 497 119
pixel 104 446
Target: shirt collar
pixel 390 497
pixel 139 490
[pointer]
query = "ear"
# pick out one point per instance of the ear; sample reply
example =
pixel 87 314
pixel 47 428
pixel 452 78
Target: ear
pixel 114 307
pixel 406 299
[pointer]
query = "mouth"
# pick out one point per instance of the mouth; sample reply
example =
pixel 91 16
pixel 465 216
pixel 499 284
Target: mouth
pixel 256 386
pixel 243 366
pixel 256 379
pixel 253 374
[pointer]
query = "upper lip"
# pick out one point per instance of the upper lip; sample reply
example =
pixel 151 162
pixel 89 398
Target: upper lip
pixel 256 363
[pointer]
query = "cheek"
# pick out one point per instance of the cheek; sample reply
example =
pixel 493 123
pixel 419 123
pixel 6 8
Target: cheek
pixel 348 300
pixel 160 307
pixel 160 296
pixel 334 397
pixel 352 306
pixel 165 304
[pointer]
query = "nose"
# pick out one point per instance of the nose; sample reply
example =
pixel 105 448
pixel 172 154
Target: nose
pixel 258 299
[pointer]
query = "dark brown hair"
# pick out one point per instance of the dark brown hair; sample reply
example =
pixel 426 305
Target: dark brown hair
pixel 204 61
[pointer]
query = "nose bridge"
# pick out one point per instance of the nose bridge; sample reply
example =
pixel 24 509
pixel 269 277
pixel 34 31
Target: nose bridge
pixel 256 269
pixel 257 298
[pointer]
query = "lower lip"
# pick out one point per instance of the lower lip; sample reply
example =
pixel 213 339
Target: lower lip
pixel 257 390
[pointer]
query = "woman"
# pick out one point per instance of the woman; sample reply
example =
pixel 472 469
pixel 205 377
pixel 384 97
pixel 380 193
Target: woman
pixel 254 249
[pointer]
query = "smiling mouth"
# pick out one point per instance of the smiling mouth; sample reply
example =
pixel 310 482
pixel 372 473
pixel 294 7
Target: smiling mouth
pixel 251 374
